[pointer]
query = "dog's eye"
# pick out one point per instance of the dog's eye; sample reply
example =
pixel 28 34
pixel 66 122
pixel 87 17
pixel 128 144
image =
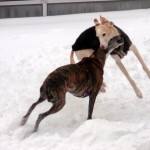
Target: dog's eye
pixel 104 34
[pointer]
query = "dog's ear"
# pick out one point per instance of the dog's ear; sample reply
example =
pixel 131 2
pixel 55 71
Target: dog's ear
pixel 103 20
pixel 96 22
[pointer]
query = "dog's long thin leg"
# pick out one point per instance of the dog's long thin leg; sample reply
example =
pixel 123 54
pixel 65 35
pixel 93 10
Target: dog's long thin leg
pixel 92 99
pixel 25 118
pixel 137 54
pixel 123 69
pixel 55 108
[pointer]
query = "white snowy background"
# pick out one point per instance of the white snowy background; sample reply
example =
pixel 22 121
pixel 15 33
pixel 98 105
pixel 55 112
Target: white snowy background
pixel 30 48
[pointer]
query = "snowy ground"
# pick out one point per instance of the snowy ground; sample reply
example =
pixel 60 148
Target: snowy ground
pixel 33 47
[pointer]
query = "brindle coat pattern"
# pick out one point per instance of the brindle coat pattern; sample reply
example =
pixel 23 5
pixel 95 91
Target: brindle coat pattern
pixel 81 79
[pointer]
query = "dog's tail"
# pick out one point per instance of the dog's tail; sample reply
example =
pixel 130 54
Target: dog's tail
pixel 71 57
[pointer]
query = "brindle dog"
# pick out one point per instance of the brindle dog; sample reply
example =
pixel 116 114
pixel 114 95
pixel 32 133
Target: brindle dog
pixel 82 79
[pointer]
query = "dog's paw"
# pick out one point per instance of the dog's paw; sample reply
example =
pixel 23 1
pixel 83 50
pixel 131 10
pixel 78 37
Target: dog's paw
pixel 23 121
pixel 34 130
pixel 139 94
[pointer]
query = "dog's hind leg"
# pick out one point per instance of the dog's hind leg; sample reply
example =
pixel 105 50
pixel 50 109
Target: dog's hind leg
pixel 25 118
pixel 57 106
pixel 137 54
pixel 123 69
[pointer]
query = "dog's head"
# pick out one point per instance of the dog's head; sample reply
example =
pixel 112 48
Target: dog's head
pixel 105 31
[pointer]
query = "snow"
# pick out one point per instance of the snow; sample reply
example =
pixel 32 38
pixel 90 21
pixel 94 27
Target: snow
pixel 33 47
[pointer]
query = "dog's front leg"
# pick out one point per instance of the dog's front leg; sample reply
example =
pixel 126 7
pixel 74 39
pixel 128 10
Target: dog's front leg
pixel 91 106
pixel 137 54
pixel 92 98
pixel 123 69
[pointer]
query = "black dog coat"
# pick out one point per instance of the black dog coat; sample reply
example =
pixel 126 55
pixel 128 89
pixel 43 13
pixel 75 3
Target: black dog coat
pixel 88 40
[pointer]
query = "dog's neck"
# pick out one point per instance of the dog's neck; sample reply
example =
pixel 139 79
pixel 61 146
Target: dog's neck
pixel 100 55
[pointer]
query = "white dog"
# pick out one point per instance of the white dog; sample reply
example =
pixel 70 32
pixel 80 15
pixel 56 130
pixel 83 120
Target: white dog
pixel 99 36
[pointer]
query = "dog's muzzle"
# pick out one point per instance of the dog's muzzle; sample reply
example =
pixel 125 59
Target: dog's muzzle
pixel 114 43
